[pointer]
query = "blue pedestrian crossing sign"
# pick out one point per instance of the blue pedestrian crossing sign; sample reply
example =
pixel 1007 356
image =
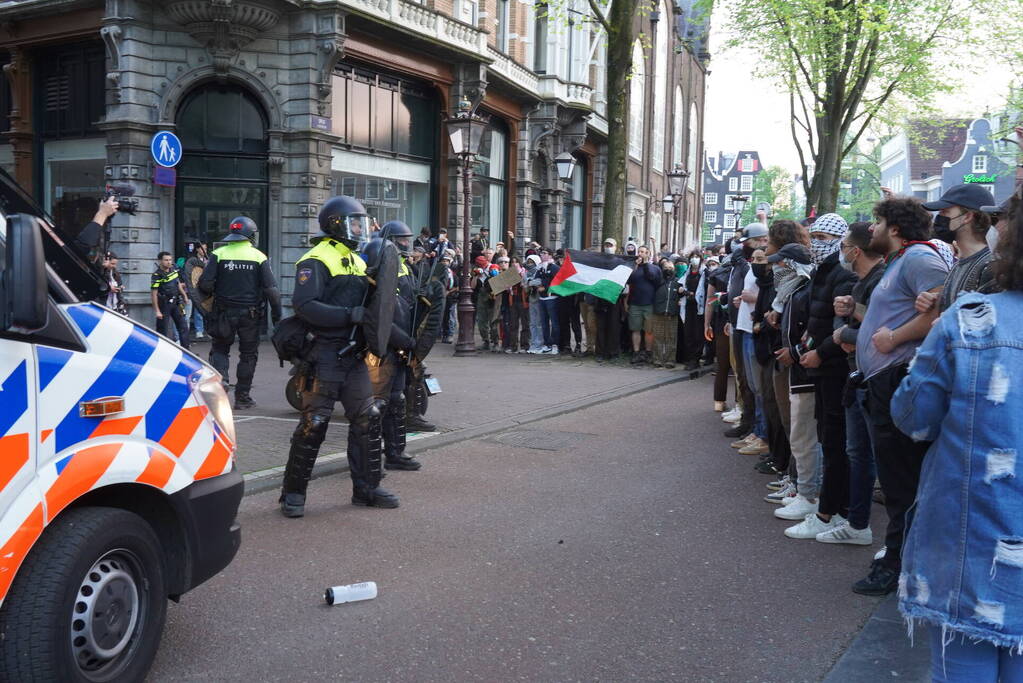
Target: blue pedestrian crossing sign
pixel 166 148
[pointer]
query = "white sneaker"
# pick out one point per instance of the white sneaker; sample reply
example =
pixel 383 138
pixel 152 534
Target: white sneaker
pixel 781 495
pixel 554 350
pixel 780 484
pixel 545 349
pixel 846 534
pixel 731 414
pixel 799 508
pixel 813 525
pixel 879 555
pixel 732 418
pixel 789 500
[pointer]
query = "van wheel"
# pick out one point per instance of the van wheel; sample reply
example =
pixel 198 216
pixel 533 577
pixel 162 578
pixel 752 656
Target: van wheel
pixel 89 603
pixel 293 391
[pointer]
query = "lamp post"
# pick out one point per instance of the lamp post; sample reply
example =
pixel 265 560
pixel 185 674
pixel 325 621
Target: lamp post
pixel 678 180
pixel 565 163
pixel 465 130
pixel 738 204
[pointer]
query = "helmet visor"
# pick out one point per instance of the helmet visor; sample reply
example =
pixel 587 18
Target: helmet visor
pixel 403 243
pixel 357 228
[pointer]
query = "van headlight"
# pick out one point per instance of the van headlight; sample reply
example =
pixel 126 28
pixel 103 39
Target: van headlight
pixel 206 384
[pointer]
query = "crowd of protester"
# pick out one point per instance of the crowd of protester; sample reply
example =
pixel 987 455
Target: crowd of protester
pixel 886 353
pixel 657 319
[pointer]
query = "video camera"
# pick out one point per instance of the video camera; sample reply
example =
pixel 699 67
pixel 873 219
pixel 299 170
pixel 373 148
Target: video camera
pixel 124 195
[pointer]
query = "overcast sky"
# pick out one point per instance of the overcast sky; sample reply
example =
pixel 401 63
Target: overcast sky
pixel 746 113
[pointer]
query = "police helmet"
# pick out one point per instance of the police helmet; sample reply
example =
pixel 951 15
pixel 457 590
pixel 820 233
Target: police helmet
pixel 241 228
pixel 400 234
pixel 344 219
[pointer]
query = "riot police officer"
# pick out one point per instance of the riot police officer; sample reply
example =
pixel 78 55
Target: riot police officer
pixel 331 287
pixel 239 278
pixel 389 372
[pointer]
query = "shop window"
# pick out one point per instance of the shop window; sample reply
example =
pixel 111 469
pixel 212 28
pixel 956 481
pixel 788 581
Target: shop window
pixel 390 189
pixel 70 89
pixel 73 180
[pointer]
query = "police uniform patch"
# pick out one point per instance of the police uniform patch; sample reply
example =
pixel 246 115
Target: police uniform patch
pixel 304 274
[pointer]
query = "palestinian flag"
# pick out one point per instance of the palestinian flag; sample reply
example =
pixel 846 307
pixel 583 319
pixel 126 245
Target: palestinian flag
pixel 602 275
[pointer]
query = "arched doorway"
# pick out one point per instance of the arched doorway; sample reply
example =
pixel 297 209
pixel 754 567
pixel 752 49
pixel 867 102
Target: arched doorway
pixel 223 169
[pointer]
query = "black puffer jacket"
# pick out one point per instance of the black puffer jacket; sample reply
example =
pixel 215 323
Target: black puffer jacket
pixel 829 280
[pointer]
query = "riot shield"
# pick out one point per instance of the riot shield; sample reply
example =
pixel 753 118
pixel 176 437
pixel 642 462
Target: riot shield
pixel 429 313
pixel 382 268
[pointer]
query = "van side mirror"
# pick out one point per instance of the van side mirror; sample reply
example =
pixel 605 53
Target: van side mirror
pixel 24 277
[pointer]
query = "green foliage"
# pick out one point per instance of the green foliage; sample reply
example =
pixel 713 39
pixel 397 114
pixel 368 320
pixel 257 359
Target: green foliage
pixel 850 66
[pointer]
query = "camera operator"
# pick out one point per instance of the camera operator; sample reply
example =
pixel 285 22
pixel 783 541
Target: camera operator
pixel 89 238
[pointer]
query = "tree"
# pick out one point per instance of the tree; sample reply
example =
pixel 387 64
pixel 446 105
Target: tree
pixel 848 65
pixel 617 19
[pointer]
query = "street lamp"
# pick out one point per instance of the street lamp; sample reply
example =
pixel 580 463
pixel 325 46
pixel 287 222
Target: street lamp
pixel 465 130
pixel 738 204
pixel 678 180
pixel 566 166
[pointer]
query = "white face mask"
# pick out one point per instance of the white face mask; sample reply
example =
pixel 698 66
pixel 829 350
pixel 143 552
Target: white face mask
pixel 694 262
pixel 992 238
pixel 848 265
pixel 609 250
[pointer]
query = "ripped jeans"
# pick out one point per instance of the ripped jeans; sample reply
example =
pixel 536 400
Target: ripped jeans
pixel 963 660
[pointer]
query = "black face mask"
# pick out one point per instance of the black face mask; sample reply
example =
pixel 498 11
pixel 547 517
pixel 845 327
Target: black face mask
pixel 747 250
pixel 760 270
pixel 942 230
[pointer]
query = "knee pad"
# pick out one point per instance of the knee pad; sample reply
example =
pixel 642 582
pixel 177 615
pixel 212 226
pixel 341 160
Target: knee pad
pixel 313 428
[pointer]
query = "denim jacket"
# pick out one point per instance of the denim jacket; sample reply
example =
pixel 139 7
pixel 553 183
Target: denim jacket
pixel 962 565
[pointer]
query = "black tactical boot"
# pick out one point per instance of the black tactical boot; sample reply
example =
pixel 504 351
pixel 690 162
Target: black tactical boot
pixel 242 400
pixel 377 498
pixel 416 423
pixel 404 462
pixel 297 472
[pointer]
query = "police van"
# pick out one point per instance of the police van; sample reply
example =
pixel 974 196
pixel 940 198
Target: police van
pixel 117 481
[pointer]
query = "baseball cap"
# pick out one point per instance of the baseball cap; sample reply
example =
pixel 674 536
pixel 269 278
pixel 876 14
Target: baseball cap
pixel 792 252
pixel 753 230
pixel 967 195
pixel 612 242
pixel 999 209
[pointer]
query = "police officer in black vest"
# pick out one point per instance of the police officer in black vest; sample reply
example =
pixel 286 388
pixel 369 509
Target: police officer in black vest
pixel 330 291
pixel 389 380
pixel 239 278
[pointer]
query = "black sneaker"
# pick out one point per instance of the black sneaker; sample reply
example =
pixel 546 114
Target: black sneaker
pixel 882 580
pixel 737 431
pixel 766 467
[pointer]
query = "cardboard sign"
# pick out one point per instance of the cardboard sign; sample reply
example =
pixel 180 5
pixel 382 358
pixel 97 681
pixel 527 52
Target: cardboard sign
pixel 504 280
